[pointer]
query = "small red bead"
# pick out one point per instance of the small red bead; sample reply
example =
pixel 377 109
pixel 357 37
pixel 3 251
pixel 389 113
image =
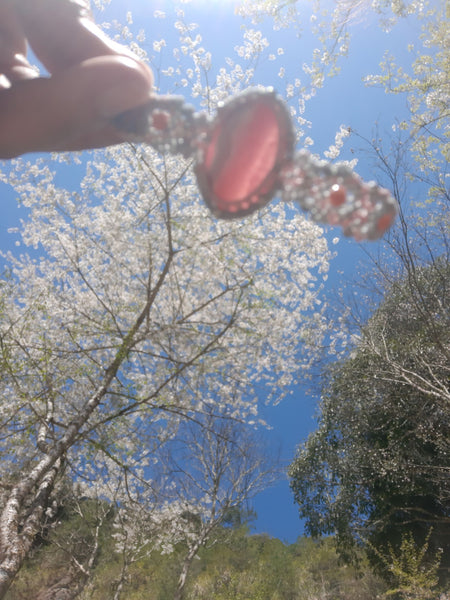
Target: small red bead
pixel 385 222
pixel 160 120
pixel 337 195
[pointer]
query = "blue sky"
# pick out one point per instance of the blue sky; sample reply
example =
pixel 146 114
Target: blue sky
pixel 343 100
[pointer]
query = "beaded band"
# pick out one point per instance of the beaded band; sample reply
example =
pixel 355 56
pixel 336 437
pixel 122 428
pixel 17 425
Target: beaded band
pixel 167 124
pixel 334 194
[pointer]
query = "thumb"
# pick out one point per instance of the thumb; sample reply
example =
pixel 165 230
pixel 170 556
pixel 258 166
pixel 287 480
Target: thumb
pixel 77 103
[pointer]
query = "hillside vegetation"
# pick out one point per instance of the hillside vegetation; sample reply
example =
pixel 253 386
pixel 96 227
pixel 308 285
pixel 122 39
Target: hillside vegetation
pixel 241 566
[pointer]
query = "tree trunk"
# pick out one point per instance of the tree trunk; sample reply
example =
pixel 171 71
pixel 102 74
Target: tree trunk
pixel 16 537
pixel 179 592
pixel 14 546
pixel 121 582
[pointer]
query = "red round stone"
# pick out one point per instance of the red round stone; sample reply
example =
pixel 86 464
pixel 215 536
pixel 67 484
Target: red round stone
pixel 248 145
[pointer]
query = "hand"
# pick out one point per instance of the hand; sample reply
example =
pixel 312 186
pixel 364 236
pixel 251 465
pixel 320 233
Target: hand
pixel 92 79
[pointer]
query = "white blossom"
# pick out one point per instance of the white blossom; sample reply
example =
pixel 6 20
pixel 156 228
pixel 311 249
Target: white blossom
pixel 157 45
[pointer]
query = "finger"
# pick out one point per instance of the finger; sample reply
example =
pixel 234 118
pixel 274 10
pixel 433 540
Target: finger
pixel 62 33
pixel 12 37
pixel 13 47
pixel 16 69
pixel 72 107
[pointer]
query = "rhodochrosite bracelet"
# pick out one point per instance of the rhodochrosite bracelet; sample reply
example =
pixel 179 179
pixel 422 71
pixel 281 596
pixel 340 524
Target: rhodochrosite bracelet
pixel 245 155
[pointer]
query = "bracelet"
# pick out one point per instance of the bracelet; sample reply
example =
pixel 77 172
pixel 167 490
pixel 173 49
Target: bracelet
pixel 245 155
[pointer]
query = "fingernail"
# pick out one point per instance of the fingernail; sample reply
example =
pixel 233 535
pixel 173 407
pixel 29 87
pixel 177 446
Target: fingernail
pixel 135 122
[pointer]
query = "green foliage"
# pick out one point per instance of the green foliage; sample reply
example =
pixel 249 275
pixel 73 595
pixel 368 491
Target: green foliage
pixel 414 577
pixel 377 466
pixel 239 567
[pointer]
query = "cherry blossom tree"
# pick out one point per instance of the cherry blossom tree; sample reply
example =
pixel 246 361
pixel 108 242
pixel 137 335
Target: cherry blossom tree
pixel 131 309
pixel 138 310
